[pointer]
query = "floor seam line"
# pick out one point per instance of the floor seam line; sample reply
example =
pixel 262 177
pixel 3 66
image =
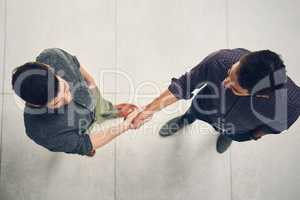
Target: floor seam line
pixel 227 46
pixel 115 80
pixel 3 82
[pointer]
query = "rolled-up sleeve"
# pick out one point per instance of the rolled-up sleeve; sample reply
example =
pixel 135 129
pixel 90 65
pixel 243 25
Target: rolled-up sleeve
pixel 71 142
pixel 183 87
pixel 58 59
pixel 207 70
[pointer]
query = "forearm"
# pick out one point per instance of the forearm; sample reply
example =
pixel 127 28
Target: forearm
pixel 164 100
pixel 102 138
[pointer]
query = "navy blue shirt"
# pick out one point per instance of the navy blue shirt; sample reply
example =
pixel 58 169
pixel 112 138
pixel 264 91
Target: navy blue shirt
pixel 63 129
pixel 230 113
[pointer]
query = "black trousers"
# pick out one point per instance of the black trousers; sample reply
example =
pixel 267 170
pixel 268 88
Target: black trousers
pixel 190 116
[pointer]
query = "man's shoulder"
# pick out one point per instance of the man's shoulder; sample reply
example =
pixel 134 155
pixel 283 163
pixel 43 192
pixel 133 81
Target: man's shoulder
pixel 223 59
pixel 40 129
pixel 40 120
pixel 62 62
pixel 50 52
pixel 293 94
pixel 228 55
pixel 54 55
pixel 40 125
pixel 293 90
pixel 33 127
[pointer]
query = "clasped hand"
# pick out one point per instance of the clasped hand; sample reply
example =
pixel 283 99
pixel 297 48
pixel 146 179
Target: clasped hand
pixel 137 118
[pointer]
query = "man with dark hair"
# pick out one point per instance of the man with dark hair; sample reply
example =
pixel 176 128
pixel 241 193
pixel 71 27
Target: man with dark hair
pixel 64 105
pixel 34 89
pixel 244 95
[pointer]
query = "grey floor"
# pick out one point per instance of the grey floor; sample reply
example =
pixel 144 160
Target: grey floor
pixel 148 42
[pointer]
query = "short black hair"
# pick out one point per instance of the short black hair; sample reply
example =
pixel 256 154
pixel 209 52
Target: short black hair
pixel 35 83
pixel 255 66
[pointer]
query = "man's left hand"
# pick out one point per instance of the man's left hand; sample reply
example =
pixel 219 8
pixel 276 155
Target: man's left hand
pixel 125 109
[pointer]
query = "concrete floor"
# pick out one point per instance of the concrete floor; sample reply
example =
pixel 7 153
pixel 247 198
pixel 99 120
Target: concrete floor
pixel 148 42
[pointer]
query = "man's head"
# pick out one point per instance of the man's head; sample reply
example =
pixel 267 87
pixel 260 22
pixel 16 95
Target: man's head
pixel 244 75
pixel 38 85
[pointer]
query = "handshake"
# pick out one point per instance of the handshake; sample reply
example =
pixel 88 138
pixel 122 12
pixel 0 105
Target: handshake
pixel 134 117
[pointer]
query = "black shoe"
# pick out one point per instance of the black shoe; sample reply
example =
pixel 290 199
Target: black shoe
pixel 172 126
pixel 223 143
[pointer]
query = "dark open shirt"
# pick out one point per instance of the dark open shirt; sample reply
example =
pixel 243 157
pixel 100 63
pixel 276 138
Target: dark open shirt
pixel 63 129
pixel 225 110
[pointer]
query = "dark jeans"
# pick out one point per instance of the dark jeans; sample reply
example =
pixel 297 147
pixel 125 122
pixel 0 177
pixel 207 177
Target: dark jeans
pixel 190 116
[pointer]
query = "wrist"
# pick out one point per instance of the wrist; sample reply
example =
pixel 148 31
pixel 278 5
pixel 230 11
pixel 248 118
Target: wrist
pixel 123 127
pixel 155 106
pixel 148 111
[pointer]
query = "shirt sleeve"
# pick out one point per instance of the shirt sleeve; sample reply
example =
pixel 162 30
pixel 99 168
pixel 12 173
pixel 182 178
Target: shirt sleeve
pixel 183 87
pixel 207 70
pixel 73 59
pixel 58 59
pixel 71 142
